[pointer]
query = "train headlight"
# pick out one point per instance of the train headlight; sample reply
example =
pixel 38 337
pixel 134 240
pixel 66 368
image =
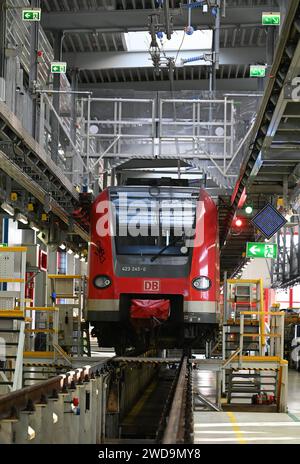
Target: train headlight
pixel 102 281
pixel 202 283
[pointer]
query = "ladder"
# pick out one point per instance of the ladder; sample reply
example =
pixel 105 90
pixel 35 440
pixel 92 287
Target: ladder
pixel 243 382
pixel 12 317
pixel 242 295
pixel 67 294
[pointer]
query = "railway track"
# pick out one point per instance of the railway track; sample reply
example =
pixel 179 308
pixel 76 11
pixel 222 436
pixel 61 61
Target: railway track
pixel 163 412
pixel 137 399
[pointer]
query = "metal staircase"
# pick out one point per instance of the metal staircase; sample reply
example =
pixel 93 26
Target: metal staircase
pixel 252 347
pixel 11 361
pixel 12 317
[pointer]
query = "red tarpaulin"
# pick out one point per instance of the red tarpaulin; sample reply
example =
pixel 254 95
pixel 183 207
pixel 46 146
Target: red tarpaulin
pixel 146 309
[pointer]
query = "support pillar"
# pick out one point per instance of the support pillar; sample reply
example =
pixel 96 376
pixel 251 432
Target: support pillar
pixel 55 129
pixel 70 264
pixel 216 49
pixel 105 165
pixel 33 72
pixel 112 177
pixel 52 269
pixel 74 166
pixel 2 38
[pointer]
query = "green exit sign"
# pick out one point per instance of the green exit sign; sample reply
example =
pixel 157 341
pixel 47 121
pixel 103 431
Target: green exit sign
pixel 271 19
pixel 33 14
pixel 261 250
pixel 58 67
pixel 257 71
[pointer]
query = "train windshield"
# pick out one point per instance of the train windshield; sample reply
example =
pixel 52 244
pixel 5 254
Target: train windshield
pixel 161 224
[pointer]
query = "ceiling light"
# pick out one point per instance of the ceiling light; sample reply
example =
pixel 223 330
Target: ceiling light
pixel 21 218
pixel 94 129
pixel 34 227
pixel 82 259
pixel 8 208
pixel 70 251
pixel 139 41
pixel 219 131
pixel 76 256
pixel 62 246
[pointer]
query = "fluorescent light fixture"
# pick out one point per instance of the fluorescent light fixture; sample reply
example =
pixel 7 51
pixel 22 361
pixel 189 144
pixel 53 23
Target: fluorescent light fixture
pixel 139 41
pixel 8 208
pixel 21 218
pixel 76 256
pixel 62 246
pixel 70 251
pixel 34 227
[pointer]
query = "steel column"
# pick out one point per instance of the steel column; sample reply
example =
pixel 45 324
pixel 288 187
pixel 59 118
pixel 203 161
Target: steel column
pixel 74 164
pixel 2 37
pixel 57 49
pixel 33 71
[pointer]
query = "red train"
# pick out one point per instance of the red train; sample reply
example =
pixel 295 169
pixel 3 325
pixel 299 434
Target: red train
pixel 153 267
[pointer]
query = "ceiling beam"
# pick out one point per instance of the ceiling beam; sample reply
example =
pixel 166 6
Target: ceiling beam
pixel 236 85
pixel 116 60
pixel 134 20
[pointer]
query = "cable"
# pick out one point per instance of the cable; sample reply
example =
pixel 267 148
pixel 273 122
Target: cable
pixel 178 51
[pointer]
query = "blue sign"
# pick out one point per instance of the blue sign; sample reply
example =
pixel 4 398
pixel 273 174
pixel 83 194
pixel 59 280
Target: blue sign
pixel 268 221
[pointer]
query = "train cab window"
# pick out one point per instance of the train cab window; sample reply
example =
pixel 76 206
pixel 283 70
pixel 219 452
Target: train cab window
pixel 146 225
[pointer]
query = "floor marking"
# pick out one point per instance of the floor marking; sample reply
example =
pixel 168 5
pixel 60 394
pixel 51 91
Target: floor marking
pixel 292 416
pixel 238 432
pixel 249 424
pixel 225 432
pixel 129 419
pixel 264 439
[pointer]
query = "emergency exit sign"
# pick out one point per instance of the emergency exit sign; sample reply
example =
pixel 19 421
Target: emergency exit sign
pixel 271 19
pixel 257 71
pixel 261 250
pixel 58 67
pixel 31 14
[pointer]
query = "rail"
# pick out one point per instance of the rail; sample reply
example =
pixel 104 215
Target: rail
pixel 179 420
pixel 13 403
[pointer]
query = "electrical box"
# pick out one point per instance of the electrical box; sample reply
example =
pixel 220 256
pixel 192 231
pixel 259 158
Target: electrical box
pixel 7 261
pixel 64 287
pixel 36 258
pixel 8 299
pixel 32 256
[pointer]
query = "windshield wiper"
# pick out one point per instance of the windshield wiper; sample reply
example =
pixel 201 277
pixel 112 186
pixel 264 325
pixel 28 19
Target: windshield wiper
pixel 154 257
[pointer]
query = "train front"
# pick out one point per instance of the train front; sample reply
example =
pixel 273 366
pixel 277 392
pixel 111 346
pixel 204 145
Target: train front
pixel 153 268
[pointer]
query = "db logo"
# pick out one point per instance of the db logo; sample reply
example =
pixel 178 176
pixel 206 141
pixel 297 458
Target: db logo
pixel 151 285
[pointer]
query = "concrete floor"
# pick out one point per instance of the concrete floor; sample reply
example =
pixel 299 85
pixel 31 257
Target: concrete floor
pixel 252 427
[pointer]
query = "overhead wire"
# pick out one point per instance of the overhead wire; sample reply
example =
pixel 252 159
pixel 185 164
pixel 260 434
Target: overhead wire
pixel 180 47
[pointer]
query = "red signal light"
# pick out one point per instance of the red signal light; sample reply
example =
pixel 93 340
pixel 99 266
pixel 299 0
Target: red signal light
pixel 238 222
